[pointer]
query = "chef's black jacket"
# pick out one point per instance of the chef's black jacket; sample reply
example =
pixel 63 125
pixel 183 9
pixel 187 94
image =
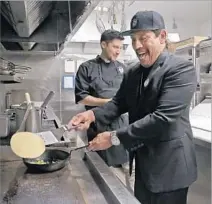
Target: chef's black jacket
pixel 102 79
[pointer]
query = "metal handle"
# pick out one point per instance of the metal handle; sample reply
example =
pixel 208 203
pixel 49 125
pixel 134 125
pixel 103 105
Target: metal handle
pixel 47 99
pixel 79 148
pixel 66 128
pixel 60 144
pixel 29 107
pixel 28 100
pixel 25 117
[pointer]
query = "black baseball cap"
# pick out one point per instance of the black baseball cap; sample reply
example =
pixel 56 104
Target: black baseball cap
pixel 110 34
pixel 145 20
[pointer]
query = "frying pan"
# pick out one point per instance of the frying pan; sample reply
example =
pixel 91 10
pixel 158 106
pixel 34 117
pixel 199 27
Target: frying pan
pixel 55 159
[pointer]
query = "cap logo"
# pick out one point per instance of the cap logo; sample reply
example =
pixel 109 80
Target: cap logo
pixel 134 22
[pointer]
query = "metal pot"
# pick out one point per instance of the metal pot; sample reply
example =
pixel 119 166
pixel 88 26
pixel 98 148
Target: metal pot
pixel 4 125
pixel 19 110
pixel 33 122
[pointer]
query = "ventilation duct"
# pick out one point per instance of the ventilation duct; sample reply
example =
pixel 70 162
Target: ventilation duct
pixel 41 25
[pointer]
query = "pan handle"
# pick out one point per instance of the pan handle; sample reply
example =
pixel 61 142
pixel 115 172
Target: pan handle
pixel 21 128
pixel 68 129
pixel 47 99
pixel 79 148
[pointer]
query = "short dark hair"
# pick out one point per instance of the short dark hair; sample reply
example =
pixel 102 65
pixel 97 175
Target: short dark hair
pixel 109 35
pixel 157 33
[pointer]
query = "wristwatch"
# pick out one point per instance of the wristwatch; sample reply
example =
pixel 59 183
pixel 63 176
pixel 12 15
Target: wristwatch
pixel 114 139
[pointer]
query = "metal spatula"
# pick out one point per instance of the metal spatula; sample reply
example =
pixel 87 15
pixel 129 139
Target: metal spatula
pixel 54 136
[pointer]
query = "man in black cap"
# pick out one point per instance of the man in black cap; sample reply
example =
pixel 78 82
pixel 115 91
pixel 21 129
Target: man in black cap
pixel 156 93
pixel 96 82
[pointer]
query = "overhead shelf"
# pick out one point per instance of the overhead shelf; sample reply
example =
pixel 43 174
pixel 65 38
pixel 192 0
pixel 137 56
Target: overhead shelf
pixel 193 41
pixel 8 79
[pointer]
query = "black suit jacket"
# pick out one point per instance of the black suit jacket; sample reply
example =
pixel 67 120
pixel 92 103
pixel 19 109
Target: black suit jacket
pixel 159 119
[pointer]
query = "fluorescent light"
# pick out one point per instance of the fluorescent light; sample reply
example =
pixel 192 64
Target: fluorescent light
pixel 99 8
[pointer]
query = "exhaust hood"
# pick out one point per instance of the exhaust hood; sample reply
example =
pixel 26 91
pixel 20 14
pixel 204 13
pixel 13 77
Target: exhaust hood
pixel 41 25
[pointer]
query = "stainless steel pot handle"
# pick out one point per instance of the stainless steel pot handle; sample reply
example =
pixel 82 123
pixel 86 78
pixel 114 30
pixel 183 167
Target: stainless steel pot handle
pixel 25 117
pixel 47 99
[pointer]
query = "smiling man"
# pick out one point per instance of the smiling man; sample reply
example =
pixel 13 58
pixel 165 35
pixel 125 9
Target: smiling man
pixel 156 93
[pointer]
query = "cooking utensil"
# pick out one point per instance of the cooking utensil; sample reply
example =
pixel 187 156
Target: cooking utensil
pixel 42 109
pixel 60 131
pixel 50 160
pixel 55 135
pixel 48 137
pixel 47 99
pixel 28 98
pixel 13 68
pixel 26 114
pixel 23 122
pixel 19 112
pixel 31 121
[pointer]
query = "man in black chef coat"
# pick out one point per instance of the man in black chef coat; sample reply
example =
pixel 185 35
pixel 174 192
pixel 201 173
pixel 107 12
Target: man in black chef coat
pixel 156 93
pixel 97 81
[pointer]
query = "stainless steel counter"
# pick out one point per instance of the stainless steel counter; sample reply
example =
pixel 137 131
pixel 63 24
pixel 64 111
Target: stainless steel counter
pixel 82 181
pixel 201 121
pixel 200 191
